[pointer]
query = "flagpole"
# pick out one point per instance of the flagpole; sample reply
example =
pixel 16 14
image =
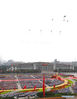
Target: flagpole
pixel 44 85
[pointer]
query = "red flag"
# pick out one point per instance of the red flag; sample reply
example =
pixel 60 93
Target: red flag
pixel 44 85
pixel 53 86
pixel 59 78
pixel 25 87
pixel 34 87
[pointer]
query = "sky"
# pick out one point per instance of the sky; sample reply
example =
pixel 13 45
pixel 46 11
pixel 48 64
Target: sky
pixel 38 30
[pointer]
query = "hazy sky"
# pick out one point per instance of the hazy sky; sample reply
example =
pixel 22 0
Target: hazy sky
pixel 38 30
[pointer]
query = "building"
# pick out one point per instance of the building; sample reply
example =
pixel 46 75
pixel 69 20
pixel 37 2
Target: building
pixel 43 66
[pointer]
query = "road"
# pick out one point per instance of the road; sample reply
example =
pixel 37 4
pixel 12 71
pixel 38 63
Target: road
pixel 18 83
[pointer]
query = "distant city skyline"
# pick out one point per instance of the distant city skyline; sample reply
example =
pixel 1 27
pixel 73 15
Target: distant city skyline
pixel 38 30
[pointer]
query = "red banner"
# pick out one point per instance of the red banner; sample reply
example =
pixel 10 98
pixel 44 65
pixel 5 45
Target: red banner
pixel 44 85
pixel 25 87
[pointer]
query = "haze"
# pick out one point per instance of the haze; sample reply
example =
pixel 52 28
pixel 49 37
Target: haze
pixel 38 30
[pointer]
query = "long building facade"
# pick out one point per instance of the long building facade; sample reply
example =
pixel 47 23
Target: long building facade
pixel 44 66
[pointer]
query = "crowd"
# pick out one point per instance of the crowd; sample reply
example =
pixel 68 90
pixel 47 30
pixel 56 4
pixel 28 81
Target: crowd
pixel 7 77
pixel 8 85
pixel 18 94
pixel 64 90
pixel 54 82
pixel 39 82
pixel 74 87
pixel 29 81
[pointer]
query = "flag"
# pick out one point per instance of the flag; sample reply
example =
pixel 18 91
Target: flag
pixel 53 86
pixel 34 87
pixel 59 78
pixel 44 85
pixel 25 87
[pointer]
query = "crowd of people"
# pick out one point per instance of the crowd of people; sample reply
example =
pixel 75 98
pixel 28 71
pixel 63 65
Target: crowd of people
pixel 74 87
pixel 6 84
pixel 64 90
pixel 37 80
pixel 18 94
pixel 29 81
